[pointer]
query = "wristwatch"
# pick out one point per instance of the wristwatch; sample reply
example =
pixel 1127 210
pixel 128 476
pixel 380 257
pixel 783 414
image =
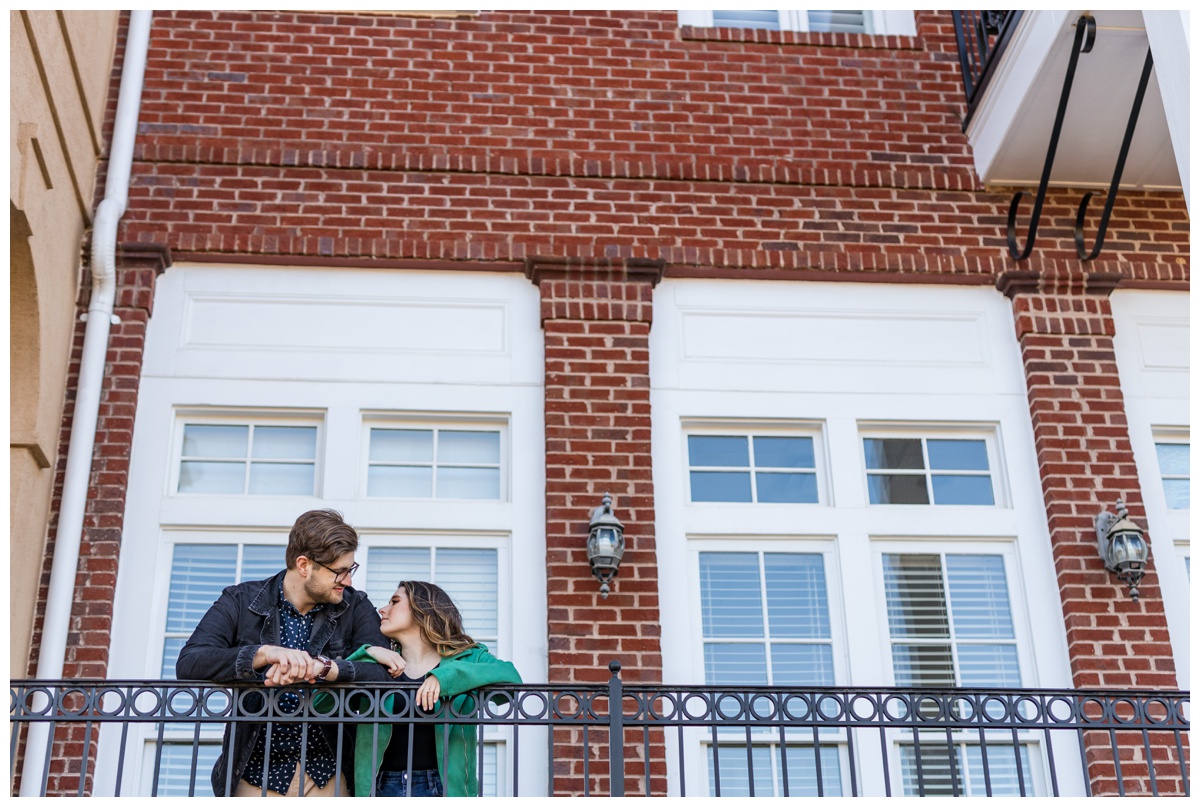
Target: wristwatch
pixel 324 673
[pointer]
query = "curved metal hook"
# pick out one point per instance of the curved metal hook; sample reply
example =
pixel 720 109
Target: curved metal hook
pixel 1085 38
pixel 1080 248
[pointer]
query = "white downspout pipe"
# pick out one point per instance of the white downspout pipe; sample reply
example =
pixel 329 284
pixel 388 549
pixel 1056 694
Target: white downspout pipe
pixel 100 317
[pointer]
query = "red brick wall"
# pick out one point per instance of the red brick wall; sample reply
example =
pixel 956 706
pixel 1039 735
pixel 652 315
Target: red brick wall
pixel 1086 463
pixel 596 320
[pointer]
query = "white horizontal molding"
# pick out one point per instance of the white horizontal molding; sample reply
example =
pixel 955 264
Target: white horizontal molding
pixel 347 324
pixel 927 338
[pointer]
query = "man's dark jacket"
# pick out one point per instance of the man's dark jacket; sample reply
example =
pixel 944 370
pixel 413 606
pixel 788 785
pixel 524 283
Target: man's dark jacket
pixel 246 616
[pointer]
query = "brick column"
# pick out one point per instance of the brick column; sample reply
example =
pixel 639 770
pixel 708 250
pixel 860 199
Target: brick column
pixel 1085 460
pixel 596 318
pixel 89 634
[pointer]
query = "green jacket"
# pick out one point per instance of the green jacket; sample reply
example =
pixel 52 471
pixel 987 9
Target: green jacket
pixel 471 669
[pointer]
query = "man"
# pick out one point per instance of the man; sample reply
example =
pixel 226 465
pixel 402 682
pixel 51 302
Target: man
pixel 296 626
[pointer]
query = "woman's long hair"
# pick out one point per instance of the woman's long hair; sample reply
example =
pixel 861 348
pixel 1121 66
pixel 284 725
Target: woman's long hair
pixel 439 619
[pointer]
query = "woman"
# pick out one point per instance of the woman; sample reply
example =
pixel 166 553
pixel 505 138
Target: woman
pixel 423 622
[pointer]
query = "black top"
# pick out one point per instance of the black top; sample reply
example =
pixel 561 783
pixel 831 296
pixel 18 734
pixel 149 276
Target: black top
pixel 424 757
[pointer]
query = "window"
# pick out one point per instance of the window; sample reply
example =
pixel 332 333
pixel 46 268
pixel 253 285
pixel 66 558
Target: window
pixel 765 619
pixel 752 468
pixel 199 572
pixel 839 21
pixel 950 621
pixel 941 778
pixel 434 463
pixel 254 458
pixel 469 575
pixel 769 764
pixel 1174 463
pixel 926 470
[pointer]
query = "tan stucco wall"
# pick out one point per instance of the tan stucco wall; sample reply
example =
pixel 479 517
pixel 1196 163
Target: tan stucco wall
pixel 59 68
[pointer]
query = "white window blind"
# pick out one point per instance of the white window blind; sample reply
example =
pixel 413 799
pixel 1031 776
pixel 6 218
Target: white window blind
pixel 469 576
pixel 175 771
pixel 199 572
pixel 433 463
pixel 765 619
pixel 950 621
pixel 768 770
pixel 843 21
pixel 942 779
pixel 259 459
pixel 1174 464
pixel 914 470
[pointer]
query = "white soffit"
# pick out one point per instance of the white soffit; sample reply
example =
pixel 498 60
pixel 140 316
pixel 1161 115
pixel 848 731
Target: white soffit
pixel 1010 131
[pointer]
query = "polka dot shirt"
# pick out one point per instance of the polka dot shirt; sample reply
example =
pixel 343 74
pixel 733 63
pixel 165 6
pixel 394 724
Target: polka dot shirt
pixel 286 738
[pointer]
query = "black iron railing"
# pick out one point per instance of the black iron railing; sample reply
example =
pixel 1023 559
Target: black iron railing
pixel 161 737
pixel 982 37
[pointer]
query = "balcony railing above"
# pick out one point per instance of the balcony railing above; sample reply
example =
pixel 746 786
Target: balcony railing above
pixel 160 737
pixel 982 37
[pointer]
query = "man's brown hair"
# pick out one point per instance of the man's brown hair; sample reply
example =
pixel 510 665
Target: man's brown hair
pixel 321 536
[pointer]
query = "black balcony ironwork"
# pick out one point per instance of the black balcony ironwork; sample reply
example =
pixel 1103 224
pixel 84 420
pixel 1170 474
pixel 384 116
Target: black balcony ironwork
pixel 982 37
pixel 786 741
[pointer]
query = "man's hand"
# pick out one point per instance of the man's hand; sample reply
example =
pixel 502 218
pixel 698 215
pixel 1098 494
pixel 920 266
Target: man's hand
pixel 390 659
pixel 427 694
pixel 287 666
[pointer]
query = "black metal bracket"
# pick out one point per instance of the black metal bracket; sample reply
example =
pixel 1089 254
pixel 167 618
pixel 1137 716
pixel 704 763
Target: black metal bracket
pixel 1085 38
pixel 1080 248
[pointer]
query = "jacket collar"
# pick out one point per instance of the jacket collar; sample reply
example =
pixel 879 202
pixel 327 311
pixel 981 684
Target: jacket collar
pixel 264 601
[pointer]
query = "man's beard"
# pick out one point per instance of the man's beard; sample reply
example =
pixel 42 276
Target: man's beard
pixel 320 595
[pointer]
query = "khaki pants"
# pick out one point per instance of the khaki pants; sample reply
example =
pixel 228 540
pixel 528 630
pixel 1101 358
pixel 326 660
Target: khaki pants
pixel 244 788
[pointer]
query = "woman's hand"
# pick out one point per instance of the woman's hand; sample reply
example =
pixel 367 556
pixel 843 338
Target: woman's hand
pixel 390 659
pixel 428 693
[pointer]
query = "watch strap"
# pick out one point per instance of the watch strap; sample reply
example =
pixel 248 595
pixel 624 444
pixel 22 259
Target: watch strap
pixel 324 673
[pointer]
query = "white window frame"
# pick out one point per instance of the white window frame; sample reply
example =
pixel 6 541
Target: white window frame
pixel 988 433
pixel 749 429
pixel 1017 604
pixel 899 23
pixel 309 418
pixel 429 421
pixel 698 740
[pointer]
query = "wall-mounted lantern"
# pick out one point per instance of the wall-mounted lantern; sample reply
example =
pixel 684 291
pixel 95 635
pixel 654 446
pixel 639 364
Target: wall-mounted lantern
pixel 606 543
pixel 1123 547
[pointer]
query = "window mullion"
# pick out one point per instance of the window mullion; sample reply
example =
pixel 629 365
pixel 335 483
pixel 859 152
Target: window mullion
pixel 950 618
pixel 753 472
pixel 766 627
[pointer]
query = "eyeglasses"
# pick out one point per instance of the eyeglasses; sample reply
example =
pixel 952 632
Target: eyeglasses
pixel 338 574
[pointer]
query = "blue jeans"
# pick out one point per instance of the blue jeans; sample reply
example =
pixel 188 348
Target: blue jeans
pixel 395 783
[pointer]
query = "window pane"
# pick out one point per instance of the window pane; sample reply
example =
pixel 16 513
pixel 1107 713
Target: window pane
pixel 260 562
pixel 897 489
pixel 958 455
pixel 768 20
pixel 1174 459
pixel 801 665
pixel 175 775
pixel 799 488
pixel 735 770
pixel 841 21
pixel 471 578
pixel 1001 769
pixel 735 664
pixel 400 482
pixel 979 597
pixel 212 477
pixel 281 478
pixel 802 770
pixel 1178 493
pixel 285 442
pixel 723 452
pixel 730 597
pixel 989 665
pixel 199 572
pixel 962 489
pixel 720 486
pixel 797 603
pixel 215 441
pixel 458 446
pixel 468 483
pixel 916 601
pixel 783 452
pixel 388 565
pixel 935 771
pixel 919 665
pixel 893 454
pixel 401 445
